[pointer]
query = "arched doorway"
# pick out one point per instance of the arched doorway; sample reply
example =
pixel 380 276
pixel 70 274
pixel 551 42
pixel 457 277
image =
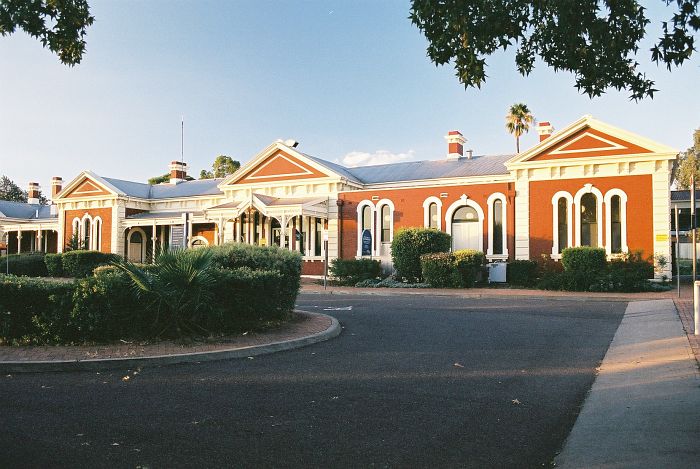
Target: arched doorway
pixel 136 245
pixel 466 229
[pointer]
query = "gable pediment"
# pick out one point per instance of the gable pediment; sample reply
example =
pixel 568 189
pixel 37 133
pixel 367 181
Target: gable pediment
pixel 591 139
pixel 278 165
pixel 588 143
pixel 86 187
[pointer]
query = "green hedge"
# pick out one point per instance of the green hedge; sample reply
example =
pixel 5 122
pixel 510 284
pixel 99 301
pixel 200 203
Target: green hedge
pixel 54 264
pixel 80 264
pixel 522 273
pixel 29 265
pixel 582 266
pixel 34 310
pixel 352 271
pixel 439 270
pixel 469 264
pixel 271 258
pixel 410 244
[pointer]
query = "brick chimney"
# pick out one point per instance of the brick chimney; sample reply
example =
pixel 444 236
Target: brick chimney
pixel 544 129
pixel 33 193
pixel 178 172
pixel 56 186
pixel 455 144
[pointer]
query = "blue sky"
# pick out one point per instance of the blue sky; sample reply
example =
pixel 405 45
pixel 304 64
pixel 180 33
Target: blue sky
pixel 350 80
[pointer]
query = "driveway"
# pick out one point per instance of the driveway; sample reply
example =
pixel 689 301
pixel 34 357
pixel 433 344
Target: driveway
pixel 413 381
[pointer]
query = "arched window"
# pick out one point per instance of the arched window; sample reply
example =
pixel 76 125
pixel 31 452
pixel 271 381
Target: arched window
pixel 199 242
pixel 498 241
pixel 465 215
pixel 365 221
pixel 386 224
pixel 136 246
pixel 432 208
pixel 97 238
pixel 87 233
pixel 76 228
pixel 433 216
pixel 464 221
pixel 588 211
pixel 616 221
pixel 562 203
pixel 562 224
pixel 497 234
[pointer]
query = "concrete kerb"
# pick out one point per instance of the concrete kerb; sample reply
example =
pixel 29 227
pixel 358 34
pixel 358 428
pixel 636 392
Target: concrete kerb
pixel 332 331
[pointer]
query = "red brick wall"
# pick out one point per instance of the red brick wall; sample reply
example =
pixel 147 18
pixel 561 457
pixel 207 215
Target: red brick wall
pixel 640 232
pixel 104 213
pixel 408 204
pixel 312 268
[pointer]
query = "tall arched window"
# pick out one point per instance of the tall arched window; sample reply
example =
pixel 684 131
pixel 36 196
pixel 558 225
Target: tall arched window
pixel 97 239
pixel 615 224
pixel 87 233
pixel 562 233
pixel 588 212
pixel 76 228
pixel 497 235
pixel 386 224
pixel 365 221
pixel 616 221
pixel 562 224
pixel 433 216
pixel 497 229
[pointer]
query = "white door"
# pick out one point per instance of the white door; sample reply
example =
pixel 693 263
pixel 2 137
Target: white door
pixel 136 247
pixel 465 235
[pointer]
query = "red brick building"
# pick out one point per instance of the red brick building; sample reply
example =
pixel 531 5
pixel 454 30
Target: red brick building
pixel 587 184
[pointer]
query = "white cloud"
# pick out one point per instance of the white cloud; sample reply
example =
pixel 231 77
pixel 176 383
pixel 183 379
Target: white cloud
pixel 362 158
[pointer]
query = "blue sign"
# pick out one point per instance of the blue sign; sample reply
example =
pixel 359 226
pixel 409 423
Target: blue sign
pixel 366 243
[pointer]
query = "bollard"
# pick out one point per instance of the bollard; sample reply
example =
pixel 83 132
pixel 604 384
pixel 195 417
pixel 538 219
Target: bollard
pixel 696 308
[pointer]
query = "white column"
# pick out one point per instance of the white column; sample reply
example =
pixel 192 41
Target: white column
pixel 522 215
pixel 237 222
pixel 307 236
pixel 153 243
pixel 283 231
pixel 312 228
pixel 19 241
pixel 39 241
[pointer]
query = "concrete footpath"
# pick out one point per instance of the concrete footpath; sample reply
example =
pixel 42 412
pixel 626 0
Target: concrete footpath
pixel 643 410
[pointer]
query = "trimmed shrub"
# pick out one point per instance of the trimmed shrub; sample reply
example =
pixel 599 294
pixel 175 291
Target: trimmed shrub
pixel 439 270
pixel 469 264
pixel 271 258
pixel 29 265
pixel 389 282
pixel 583 266
pixel 245 296
pixel 81 264
pixel 411 243
pixel 352 271
pixel 54 264
pixel 33 310
pixel 522 273
pixel 627 273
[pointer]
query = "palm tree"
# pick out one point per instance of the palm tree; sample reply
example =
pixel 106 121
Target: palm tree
pixel 518 122
pixel 179 289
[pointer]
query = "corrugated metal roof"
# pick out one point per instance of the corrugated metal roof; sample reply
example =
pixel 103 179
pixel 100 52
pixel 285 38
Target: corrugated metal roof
pixel 419 170
pixel 167 191
pixel 25 211
pixel 432 169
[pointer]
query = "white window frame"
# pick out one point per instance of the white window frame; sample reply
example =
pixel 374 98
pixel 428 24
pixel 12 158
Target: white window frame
pixel 198 238
pixel 504 235
pixel 465 201
pixel 82 231
pixel 360 208
pixel 555 222
pixel 426 211
pixel 608 220
pixel 379 207
pixel 589 189
pixel 96 236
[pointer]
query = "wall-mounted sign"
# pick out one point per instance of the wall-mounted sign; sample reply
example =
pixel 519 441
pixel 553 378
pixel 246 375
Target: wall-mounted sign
pixel 661 237
pixel 177 236
pixel 366 243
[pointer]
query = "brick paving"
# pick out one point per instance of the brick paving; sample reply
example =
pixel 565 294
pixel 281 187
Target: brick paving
pixel 301 325
pixel 684 306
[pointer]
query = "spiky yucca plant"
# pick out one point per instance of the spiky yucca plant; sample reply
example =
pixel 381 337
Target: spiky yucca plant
pixel 179 288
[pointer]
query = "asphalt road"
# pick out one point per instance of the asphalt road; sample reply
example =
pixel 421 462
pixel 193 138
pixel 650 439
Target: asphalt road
pixel 413 381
